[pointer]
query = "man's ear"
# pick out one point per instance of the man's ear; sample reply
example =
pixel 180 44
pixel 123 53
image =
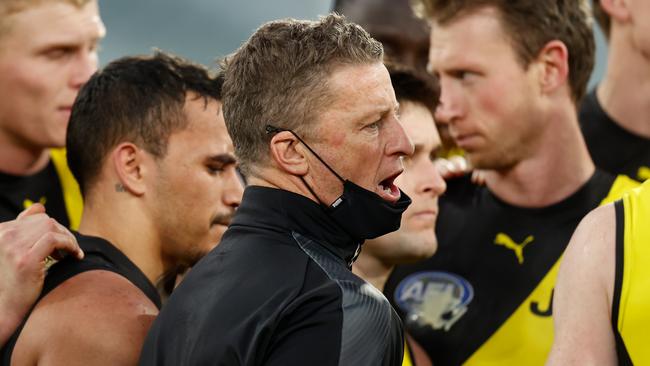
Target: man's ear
pixel 618 10
pixel 289 153
pixel 127 160
pixel 553 60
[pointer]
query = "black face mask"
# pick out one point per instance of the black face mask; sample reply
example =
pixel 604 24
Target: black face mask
pixel 361 213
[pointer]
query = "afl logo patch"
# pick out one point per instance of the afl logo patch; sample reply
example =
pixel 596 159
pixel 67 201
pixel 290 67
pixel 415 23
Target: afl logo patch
pixel 434 299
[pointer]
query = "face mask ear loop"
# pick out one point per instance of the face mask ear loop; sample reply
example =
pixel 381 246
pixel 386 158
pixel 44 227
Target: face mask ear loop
pixel 272 130
pixel 312 191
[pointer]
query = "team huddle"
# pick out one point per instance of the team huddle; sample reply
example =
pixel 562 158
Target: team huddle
pixel 396 183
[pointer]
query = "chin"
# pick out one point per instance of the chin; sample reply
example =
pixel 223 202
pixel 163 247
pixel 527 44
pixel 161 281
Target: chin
pixel 421 246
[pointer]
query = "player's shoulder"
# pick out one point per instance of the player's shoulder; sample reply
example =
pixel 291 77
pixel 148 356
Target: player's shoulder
pixel 94 296
pixel 594 238
pixel 95 311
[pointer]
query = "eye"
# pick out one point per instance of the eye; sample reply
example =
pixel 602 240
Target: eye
pixel 214 169
pixel 464 75
pixel 59 53
pixel 373 126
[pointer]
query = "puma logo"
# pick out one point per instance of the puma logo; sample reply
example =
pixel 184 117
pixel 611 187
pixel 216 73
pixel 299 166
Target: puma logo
pixel 27 202
pixel 643 173
pixel 506 241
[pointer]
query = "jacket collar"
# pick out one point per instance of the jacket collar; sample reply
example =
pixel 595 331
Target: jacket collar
pixel 280 210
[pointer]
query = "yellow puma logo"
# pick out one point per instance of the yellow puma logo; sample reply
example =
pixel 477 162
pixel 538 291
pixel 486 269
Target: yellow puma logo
pixel 506 241
pixel 643 173
pixel 27 202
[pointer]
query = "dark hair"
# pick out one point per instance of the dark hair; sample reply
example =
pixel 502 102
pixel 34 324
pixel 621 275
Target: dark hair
pixel 279 76
pixel 531 24
pixel 138 99
pixel 414 86
pixel 602 17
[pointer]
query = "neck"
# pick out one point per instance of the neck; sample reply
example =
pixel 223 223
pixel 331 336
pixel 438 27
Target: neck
pixel 130 230
pixel 270 177
pixel 373 270
pixel 558 168
pixel 624 92
pixel 21 160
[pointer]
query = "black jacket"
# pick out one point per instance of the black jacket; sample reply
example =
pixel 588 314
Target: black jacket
pixel 276 291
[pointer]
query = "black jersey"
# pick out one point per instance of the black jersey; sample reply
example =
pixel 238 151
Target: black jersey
pixel 485 296
pixel 613 148
pixel 54 187
pixel 278 290
pixel 99 255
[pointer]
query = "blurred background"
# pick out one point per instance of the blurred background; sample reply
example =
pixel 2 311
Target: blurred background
pixel 204 30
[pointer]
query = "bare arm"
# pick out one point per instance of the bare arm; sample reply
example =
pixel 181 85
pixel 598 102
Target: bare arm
pixel 583 294
pixel 94 318
pixel 24 244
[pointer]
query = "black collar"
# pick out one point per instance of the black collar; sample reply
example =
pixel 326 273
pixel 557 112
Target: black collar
pixel 280 210
pixel 98 247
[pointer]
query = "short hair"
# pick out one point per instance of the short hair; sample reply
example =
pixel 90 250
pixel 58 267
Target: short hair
pixel 10 7
pixel 413 86
pixel 279 76
pixel 531 24
pixel 138 99
pixel 602 18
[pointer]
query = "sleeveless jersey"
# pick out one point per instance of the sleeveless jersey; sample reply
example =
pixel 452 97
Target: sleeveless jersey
pixel 613 148
pixel 485 297
pixel 99 255
pixel 631 300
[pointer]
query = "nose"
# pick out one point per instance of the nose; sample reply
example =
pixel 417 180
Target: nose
pixel 449 108
pixel 233 189
pixel 432 181
pixel 398 141
pixel 83 68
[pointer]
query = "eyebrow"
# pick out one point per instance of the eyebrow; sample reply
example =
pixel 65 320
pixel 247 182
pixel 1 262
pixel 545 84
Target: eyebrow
pixel 223 159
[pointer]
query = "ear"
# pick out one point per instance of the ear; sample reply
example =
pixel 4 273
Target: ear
pixel 617 9
pixel 289 154
pixel 553 60
pixel 127 160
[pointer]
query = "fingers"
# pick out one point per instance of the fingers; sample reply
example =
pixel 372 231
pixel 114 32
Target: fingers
pixel 33 227
pixel 36 208
pixel 51 242
pixel 478 177
pixel 455 166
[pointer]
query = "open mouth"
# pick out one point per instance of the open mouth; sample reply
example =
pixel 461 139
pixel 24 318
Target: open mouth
pixel 388 190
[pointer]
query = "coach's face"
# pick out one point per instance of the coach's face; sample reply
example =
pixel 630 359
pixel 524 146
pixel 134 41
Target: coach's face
pixel 359 134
